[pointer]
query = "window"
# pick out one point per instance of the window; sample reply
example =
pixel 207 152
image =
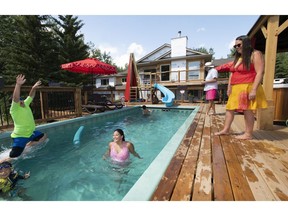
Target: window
pixel 146 77
pixel 194 70
pixel 104 82
pixel 123 80
pixel 165 72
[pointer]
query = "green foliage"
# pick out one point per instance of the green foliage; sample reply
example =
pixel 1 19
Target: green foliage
pixel 27 48
pixel 37 45
pixel 104 57
pixel 281 68
pixel 71 48
pixel 232 53
pixel 204 50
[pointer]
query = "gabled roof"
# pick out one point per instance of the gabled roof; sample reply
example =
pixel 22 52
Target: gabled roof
pixel 162 50
pixel 163 53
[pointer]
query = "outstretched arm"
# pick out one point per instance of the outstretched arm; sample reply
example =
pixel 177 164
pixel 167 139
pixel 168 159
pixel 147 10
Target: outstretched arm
pixel 33 89
pixel 107 153
pixel 132 150
pixel 20 80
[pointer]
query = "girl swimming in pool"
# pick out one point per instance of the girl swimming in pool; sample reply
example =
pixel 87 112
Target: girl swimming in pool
pixel 119 150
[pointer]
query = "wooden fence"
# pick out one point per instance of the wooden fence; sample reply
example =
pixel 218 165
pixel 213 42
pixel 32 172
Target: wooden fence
pixel 49 104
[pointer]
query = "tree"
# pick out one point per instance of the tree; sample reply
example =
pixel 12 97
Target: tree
pixel 105 57
pixel 29 48
pixel 72 48
pixel 232 53
pixel 7 28
pixel 281 68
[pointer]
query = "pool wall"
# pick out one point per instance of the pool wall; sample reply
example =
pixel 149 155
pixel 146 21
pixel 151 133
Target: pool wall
pixel 143 189
pixel 5 136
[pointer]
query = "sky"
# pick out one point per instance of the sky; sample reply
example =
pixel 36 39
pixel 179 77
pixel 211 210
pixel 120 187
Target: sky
pixel 141 34
pixel 121 27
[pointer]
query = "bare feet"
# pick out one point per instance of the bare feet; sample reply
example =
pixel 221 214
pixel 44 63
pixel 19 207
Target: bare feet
pixel 244 137
pixel 221 133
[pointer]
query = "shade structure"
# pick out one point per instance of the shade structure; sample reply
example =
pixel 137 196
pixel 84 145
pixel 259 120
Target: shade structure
pixel 89 66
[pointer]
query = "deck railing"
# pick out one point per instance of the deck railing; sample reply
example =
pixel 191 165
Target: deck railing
pixel 49 104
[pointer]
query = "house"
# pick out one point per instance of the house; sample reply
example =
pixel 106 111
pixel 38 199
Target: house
pixel 175 66
pixel 107 85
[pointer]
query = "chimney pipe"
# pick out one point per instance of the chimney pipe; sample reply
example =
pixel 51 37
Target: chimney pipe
pixel 179 33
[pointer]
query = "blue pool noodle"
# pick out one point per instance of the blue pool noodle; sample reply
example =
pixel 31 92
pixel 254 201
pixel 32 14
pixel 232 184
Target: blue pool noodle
pixel 77 136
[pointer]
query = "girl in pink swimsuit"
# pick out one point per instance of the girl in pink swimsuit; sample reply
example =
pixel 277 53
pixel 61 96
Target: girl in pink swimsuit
pixel 119 150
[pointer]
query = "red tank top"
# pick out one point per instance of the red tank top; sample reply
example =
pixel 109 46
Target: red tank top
pixel 242 75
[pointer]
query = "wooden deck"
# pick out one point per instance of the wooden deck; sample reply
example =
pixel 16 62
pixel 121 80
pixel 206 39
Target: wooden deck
pixel 214 168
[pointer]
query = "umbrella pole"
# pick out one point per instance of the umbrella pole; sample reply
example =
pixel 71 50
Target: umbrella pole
pixel 92 80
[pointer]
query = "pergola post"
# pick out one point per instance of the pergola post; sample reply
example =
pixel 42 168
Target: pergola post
pixel 265 117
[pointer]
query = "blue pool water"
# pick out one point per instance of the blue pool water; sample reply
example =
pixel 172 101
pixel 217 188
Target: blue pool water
pixel 63 171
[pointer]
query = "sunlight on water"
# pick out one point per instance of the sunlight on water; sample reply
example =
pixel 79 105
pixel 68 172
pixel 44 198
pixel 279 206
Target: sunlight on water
pixel 61 170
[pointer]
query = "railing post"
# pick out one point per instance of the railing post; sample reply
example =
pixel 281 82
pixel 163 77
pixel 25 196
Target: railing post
pixel 78 102
pixel 42 105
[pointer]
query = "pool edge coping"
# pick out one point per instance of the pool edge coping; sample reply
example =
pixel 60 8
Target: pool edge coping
pixel 144 188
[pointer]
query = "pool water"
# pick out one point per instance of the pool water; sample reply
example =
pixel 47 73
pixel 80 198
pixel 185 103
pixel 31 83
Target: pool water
pixel 63 171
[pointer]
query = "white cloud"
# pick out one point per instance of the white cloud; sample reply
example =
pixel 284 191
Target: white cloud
pixel 123 58
pixel 201 29
pixel 231 44
pixel 120 58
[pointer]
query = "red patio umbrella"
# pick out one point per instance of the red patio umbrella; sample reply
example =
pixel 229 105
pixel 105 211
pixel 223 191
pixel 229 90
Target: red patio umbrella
pixel 90 66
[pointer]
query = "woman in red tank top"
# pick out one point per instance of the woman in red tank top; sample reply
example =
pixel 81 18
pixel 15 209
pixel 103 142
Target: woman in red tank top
pixel 244 90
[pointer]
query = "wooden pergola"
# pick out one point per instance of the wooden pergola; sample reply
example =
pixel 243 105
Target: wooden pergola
pixel 269 35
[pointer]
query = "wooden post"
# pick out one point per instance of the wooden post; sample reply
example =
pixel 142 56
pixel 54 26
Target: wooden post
pixel 265 117
pixel 42 105
pixel 78 102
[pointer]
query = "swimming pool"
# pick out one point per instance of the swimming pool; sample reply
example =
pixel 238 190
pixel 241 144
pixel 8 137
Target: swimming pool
pixel 61 170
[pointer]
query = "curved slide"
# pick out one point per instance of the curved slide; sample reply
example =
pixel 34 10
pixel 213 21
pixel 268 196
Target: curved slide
pixel 169 96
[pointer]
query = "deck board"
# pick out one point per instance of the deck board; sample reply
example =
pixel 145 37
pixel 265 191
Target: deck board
pixel 165 188
pixel 203 180
pixel 209 167
pixel 221 181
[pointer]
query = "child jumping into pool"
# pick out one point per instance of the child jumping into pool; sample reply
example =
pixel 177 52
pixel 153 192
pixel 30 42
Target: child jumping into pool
pixel 119 150
pixel 24 132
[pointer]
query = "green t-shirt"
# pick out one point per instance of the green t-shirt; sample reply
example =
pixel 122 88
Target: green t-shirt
pixel 24 123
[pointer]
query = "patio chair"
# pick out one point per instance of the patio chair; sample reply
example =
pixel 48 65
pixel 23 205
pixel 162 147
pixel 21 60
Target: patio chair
pixel 90 108
pixel 101 100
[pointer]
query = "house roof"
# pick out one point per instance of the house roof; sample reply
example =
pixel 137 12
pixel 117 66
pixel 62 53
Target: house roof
pixel 163 53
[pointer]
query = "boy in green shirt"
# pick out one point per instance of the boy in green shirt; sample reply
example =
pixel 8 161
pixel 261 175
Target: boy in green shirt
pixel 24 132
